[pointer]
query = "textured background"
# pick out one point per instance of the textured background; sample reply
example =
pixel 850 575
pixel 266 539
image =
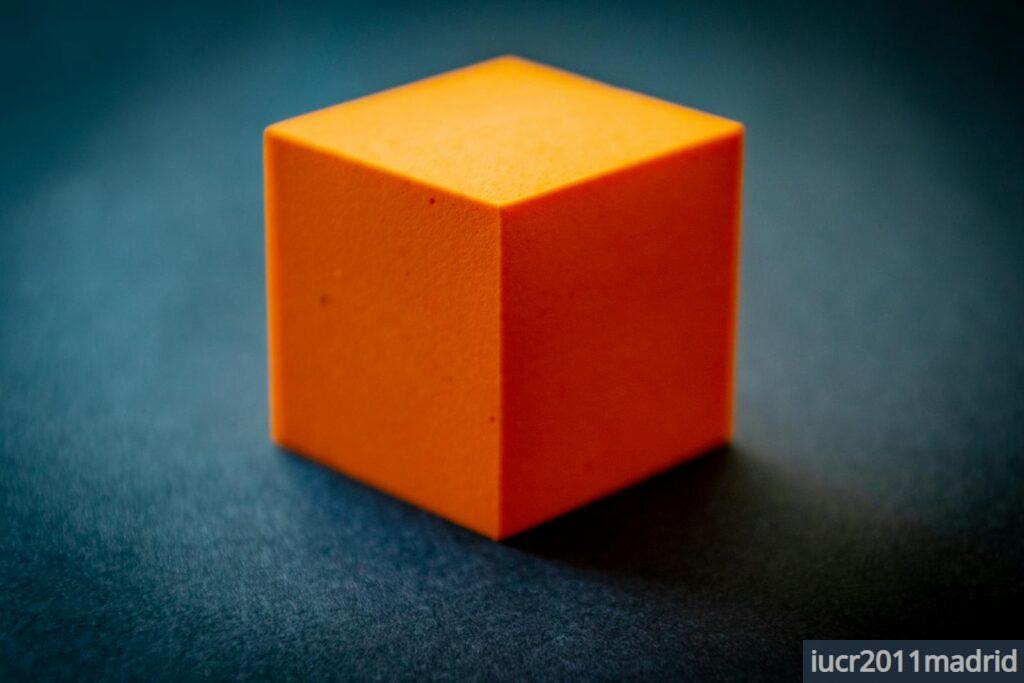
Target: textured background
pixel 149 528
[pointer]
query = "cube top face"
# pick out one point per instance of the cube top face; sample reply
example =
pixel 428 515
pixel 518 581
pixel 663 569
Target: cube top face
pixel 505 130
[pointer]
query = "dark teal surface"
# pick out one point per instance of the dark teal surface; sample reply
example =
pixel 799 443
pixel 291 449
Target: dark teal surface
pixel 150 530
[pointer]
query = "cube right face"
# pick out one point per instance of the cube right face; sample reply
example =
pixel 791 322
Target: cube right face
pixel 502 329
pixel 618 329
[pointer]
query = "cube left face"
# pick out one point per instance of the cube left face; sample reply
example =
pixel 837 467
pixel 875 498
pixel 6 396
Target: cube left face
pixel 384 329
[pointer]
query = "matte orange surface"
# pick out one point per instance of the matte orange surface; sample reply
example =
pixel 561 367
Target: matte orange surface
pixel 502 292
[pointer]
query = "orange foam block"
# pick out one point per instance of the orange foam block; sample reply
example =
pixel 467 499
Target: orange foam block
pixel 502 292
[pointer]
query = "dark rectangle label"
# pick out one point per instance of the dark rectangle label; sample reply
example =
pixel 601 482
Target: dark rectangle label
pixel 831 660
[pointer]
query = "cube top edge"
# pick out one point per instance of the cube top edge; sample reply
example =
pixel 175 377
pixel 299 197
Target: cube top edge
pixel 504 130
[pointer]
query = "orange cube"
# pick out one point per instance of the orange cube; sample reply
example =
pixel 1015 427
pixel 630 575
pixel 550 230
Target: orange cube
pixel 502 292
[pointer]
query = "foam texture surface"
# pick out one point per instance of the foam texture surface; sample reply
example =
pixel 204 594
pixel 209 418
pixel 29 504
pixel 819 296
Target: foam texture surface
pixel 496 362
